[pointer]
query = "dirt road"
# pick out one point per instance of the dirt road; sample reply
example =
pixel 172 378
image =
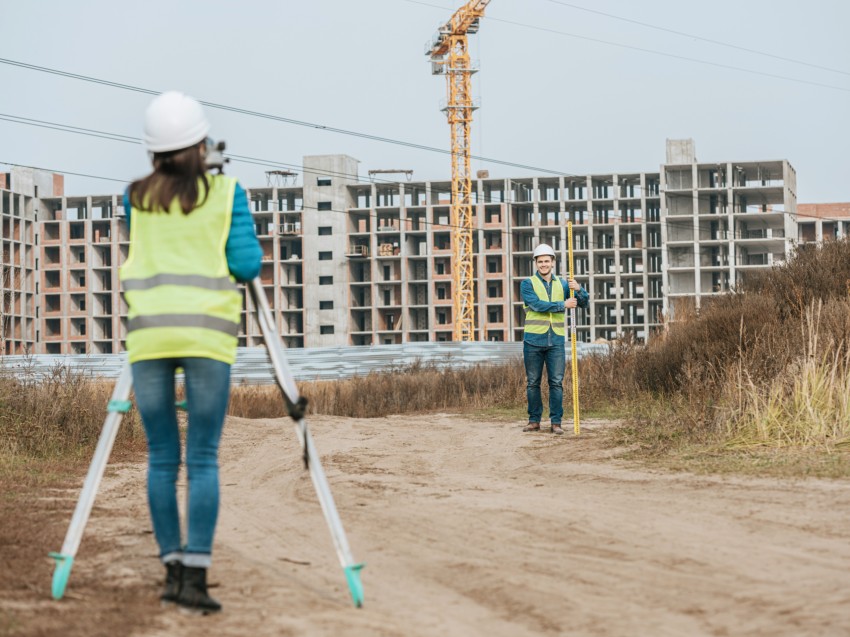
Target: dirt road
pixel 473 528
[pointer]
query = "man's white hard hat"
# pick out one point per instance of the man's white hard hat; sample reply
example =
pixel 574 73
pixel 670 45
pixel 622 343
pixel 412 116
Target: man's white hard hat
pixel 544 249
pixel 173 121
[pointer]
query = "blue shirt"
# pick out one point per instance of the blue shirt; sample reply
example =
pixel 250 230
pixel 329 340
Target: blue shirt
pixel 530 298
pixel 243 251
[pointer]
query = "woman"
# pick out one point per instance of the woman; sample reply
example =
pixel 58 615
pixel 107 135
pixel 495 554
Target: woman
pixel 191 237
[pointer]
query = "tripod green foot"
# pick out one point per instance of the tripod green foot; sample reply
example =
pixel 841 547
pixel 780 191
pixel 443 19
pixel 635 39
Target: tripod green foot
pixel 355 586
pixel 61 574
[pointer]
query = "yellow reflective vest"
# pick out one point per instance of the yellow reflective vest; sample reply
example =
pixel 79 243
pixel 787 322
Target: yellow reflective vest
pixel 540 322
pixel 182 299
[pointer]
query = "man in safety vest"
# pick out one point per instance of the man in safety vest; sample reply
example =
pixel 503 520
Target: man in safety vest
pixel 545 298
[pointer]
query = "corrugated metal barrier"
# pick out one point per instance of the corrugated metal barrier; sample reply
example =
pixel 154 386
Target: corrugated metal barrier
pixel 252 365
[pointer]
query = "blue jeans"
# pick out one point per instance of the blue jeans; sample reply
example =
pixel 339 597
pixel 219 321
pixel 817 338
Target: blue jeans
pixel 207 394
pixel 554 356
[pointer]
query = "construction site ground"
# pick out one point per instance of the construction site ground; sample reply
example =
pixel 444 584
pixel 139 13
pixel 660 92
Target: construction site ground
pixel 467 527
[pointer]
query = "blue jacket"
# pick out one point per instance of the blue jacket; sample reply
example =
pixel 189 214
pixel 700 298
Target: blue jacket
pixel 529 298
pixel 243 251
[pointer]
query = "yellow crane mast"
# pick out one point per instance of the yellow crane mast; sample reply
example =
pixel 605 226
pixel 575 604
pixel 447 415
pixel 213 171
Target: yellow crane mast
pixel 449 53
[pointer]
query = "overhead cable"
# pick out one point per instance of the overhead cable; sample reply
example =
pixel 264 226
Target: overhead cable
pixel 272 117
pixel 698 37
pixel 650 51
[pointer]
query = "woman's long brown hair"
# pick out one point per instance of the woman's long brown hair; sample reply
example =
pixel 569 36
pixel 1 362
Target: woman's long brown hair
pixel 176 175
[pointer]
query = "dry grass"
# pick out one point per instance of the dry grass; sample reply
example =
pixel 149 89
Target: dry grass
pixel 419 388
pixel 765 368
pixel 411 389
pixel 59 415
pixel 807 404
pixel 751 461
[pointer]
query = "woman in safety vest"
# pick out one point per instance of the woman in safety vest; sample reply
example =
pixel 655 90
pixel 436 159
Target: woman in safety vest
pixel 191 238
pixel 545 298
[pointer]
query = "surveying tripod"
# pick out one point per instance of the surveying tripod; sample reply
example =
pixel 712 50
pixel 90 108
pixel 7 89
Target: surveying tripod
pixel 296 406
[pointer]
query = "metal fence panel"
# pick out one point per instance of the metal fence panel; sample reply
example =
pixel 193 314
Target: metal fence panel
pixel 252 365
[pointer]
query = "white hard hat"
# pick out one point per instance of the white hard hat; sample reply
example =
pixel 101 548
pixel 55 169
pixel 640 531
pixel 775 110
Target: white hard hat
pixel 544 249
pixel 174 121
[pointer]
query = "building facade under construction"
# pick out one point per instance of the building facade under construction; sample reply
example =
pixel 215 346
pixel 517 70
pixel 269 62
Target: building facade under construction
pixel 349 261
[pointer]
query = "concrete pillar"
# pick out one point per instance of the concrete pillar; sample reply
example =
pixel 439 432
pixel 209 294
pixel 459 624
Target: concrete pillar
pixel 343 171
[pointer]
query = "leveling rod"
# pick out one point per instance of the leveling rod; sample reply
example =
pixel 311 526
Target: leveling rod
pixel 574 360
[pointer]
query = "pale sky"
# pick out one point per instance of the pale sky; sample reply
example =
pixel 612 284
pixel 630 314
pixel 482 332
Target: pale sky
pixel 548 99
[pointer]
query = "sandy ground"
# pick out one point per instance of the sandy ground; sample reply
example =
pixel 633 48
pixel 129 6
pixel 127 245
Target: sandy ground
pixel 474 528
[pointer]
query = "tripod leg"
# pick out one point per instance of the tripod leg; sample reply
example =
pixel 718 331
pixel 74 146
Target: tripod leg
pixel 117 407
pixel 297 407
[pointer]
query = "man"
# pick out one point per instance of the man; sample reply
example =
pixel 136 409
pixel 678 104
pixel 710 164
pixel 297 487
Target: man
pixel 545 298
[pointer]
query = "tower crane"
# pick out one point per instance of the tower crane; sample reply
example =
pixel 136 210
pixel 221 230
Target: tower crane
pixel 449 53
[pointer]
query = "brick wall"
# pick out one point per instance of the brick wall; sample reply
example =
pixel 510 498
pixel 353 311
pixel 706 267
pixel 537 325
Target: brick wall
pixel 823 210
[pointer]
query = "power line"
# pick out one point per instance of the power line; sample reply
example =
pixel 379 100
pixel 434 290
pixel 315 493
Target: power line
pixel 277 118
pixel 674 56
pixel 645 50
pixel 67 128
pixel 697 37
pixel 137 141
pixel 269 163
pixel 64 172
pixel 89 132
pixel 288 120
pixel 15 119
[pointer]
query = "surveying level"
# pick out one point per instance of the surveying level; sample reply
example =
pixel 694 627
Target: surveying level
pixel 215 159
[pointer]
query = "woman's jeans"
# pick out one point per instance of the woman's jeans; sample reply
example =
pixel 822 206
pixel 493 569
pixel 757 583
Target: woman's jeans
pixel 554 356
pixel 207 393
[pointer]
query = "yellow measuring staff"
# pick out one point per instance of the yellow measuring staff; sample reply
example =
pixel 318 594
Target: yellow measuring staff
pixel 576 425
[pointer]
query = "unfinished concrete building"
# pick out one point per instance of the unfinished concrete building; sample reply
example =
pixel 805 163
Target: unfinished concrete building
pixel 348 262
pixel 378 254
pixel 722 221
pixel 20 307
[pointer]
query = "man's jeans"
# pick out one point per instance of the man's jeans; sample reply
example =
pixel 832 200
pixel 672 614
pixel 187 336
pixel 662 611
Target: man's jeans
pixel 555 358
pixel 207 394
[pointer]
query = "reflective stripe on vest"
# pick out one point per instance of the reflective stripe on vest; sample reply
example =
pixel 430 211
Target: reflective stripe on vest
pixel 195 280
pixel 183 320
pixel 182 300
pixel 540 322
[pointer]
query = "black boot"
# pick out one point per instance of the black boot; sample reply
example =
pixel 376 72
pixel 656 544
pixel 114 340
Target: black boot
pixel 193 595
pixel 173 579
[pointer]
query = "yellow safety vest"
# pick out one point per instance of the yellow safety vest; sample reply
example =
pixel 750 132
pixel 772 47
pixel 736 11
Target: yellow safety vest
pixel 540 322
pixel 182 299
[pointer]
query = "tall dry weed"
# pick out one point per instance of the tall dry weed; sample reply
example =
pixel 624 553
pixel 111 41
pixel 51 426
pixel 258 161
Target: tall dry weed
pixel 697 352
pixel 62 413
pixel 767 365
pixel 807 404
pixel 414 388
pixel 815 273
